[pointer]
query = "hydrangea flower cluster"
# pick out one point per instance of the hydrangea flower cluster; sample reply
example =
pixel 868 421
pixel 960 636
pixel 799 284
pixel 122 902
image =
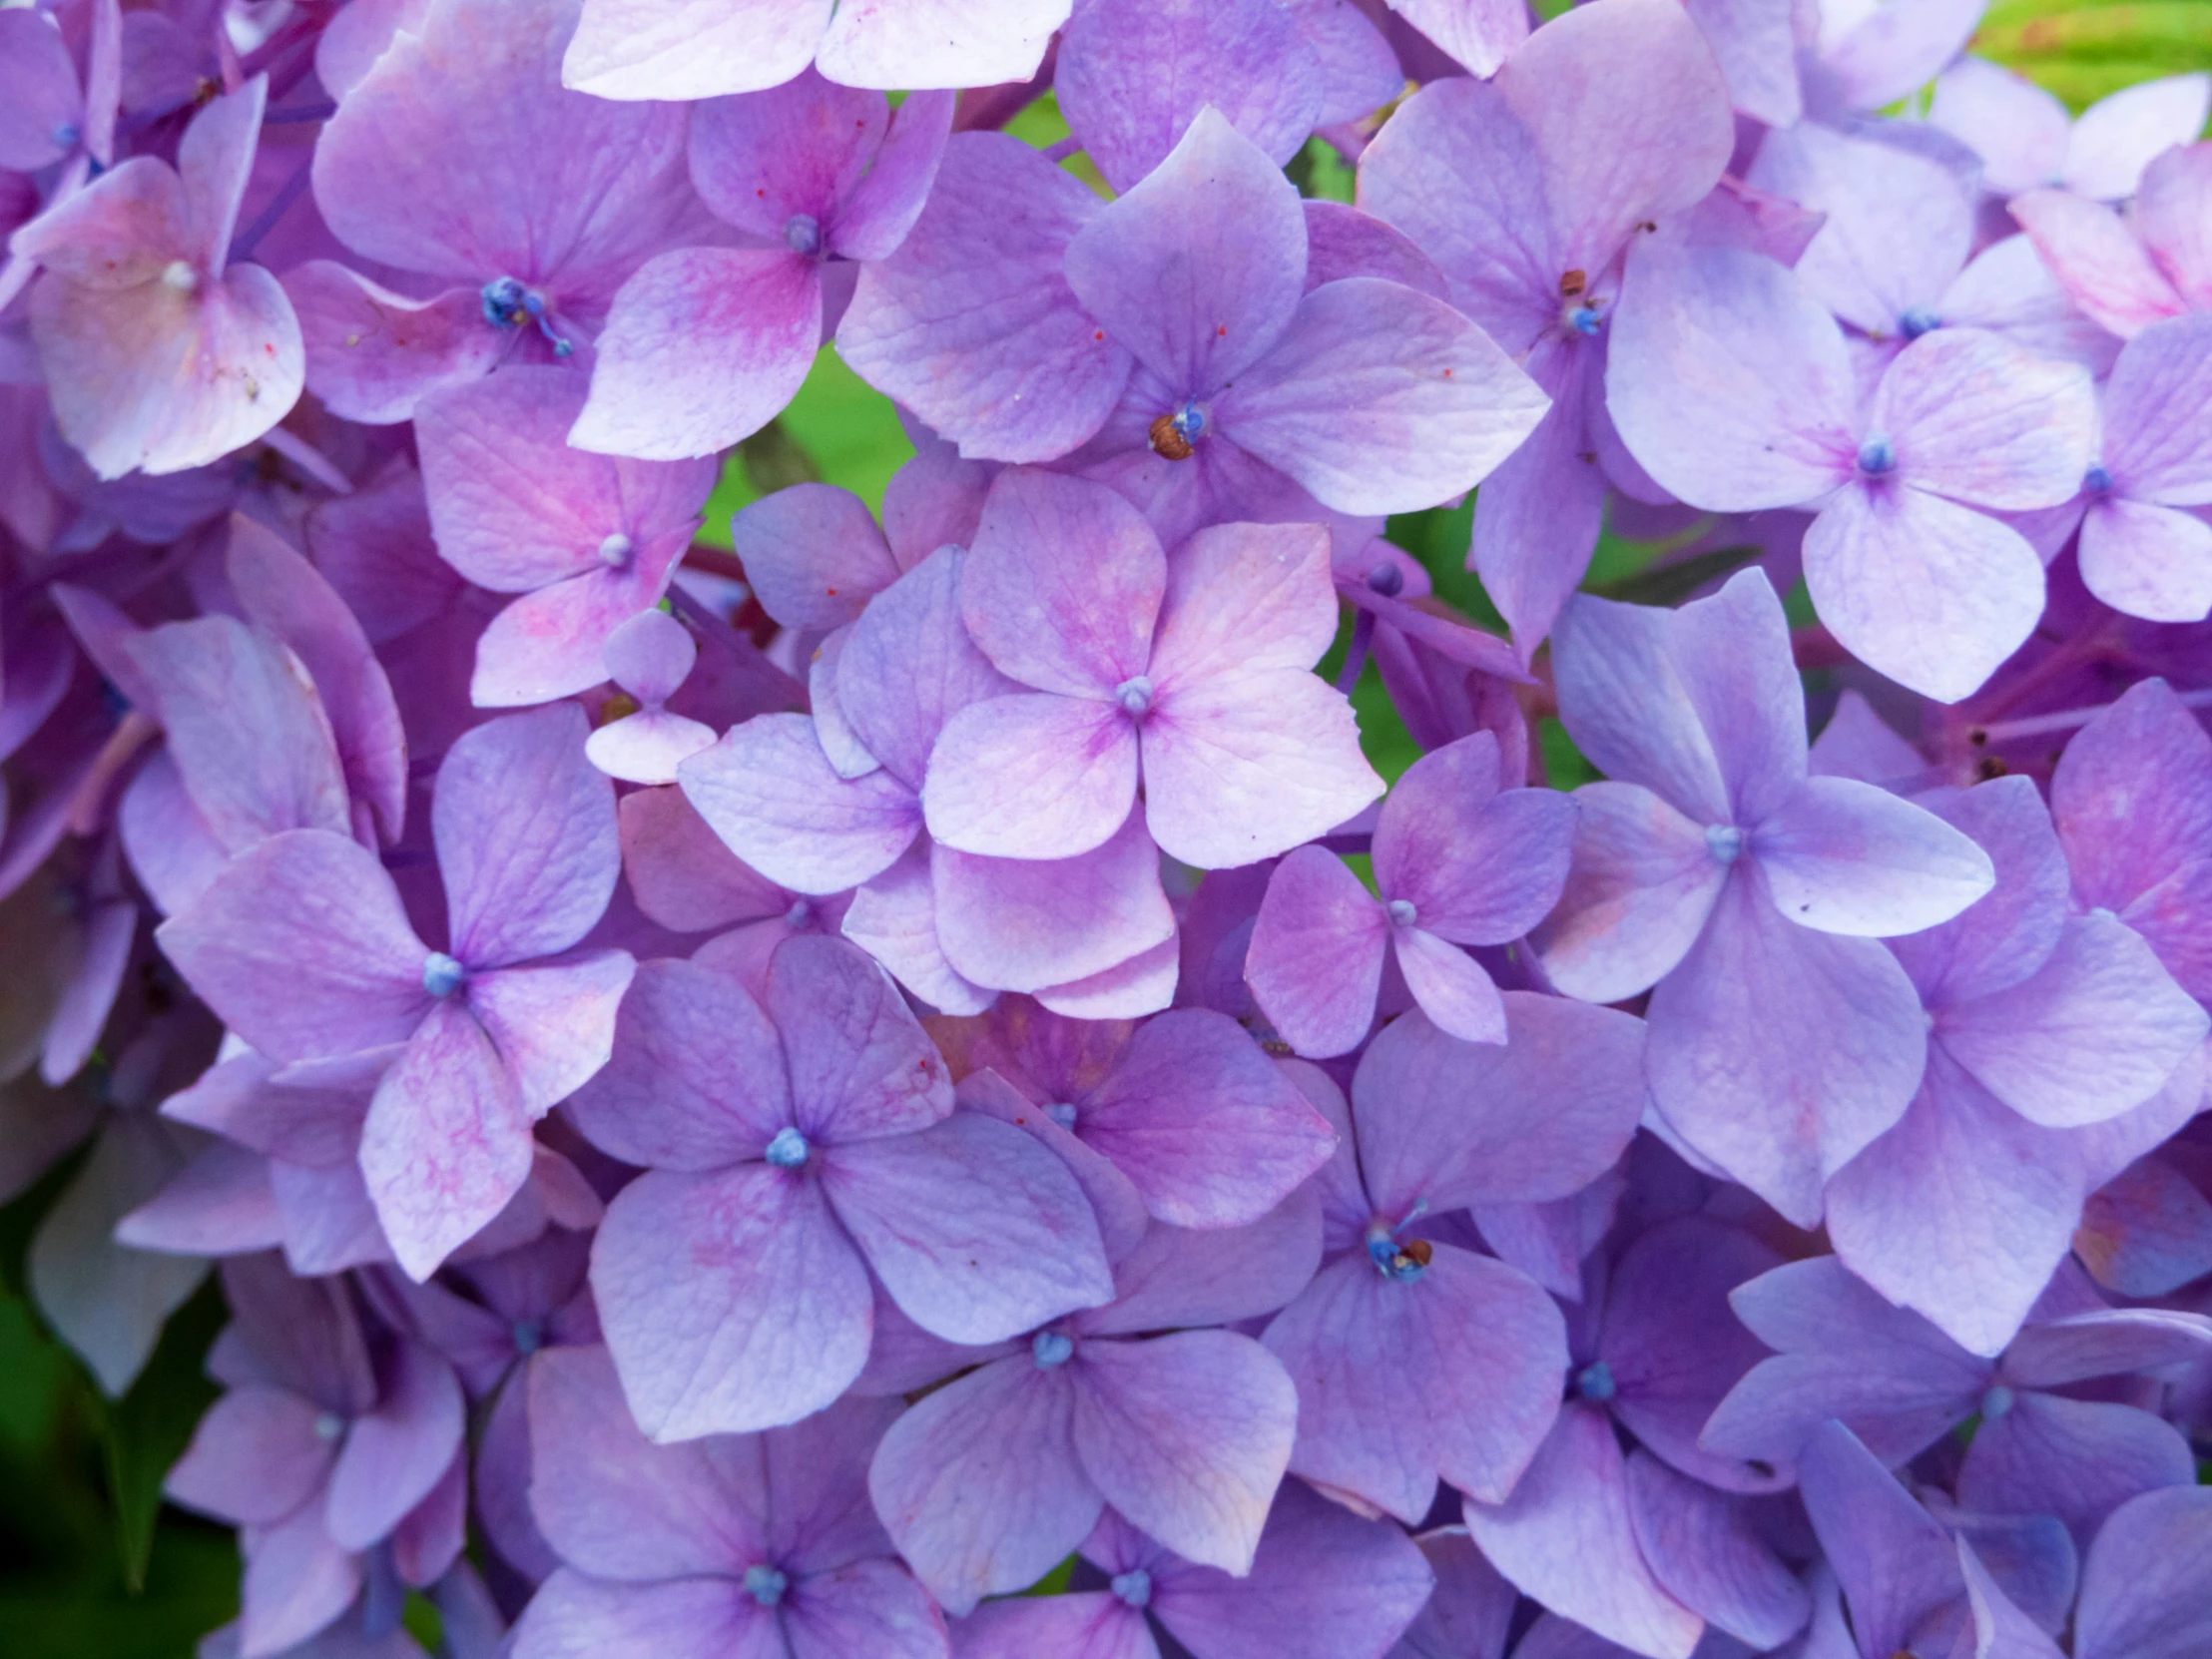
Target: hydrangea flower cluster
pixel 1081 1064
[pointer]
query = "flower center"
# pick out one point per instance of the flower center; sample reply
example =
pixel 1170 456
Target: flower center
pixel 1724 841
pixel 766 1584
pixel 788 1150
pixel 1061 1112
pixel 2097 480
pixel 1595 1383
pixel 1917 321
pixel 1051 1347
pixel 803 233
pixel 1585 321
pixel 1403 911
pixel 510 305
pixel 615 551
pixel 799 914
pixel 178 275
pixel 442 975
pixel 1175 435
pixel 329 1426
pixel 1875 456
pixel 1388 580
pixel 529 1336
pixel 1996 1403
pixel 1135 697
pixel 1134 1588
pixel 1402 1263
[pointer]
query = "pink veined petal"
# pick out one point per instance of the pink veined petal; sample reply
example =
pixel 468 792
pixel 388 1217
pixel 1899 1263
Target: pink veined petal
pixel 2094 1031
pixel 1342 241
pixel 447 1139
pixel 703 346
pixel 160 379
pixel 1459 998
pixel 1377 396
pixel 648 748
pixel 1455 1374
pixel 1033 776
pixel 1160 269
pixel 2169 215
pixel 2157 403
pixel 1848 858
pixel 1131 81
pixel 979 1485
pixel 526 837
pixel 1728 382
pixel 977 1232
pixel 1929 593
pixel 394 1454
pixel 770 793
pixel 2147 561
pixel 1489 870
pixel 894 917
pixel 908 665
pixel 861 1065
pixel 1566 1536
pixel 813 555
pixel 1642 883
pixel 689 49
pixel 1188 1435
pixel 1315 959
pixel 697 1079
pixel 2123 132
pixel 1983 421
pixel 300 946
pixel 971 323
pixel 759 1317
pixel 878 212
pixel 1536 1117
pixel 612 1502
pixel 372 354
pixel 1762 1013
pixel 2097 260
pixel 1630 119
pixel 939 43
pixel 214 159
pixel 1703 1549
pixel 1027 924
pixel 1968 1245
pixel 1239 769
pixel 1242 597
pixel 553 1022
pixel 798 149
pixel 1143 985
pixel 117 233
pixel 1063 584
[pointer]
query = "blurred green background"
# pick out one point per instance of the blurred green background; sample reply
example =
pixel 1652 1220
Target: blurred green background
pixel 94 1566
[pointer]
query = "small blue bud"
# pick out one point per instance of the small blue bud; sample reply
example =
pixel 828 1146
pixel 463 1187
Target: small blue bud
pixel 766 1585
pixel 1134 696
pixel 2097 480
pixel 66 136
pixel 803 233
pixel 788 1150
pixel 1875 456
pixel 1585 319
pixel 329 1426
pixel 1996 1403
pixel 801 914
pixel 1051 1347
pixel 1595 1383
pixel 1062 1113
pixel 1917 321
pixel 1134 1588
pixel 1724 841
pixel 1388 580
pixel 502 300
pixel 529 1336
pixel 1190 419
pixel 1403 911
pixel 441 974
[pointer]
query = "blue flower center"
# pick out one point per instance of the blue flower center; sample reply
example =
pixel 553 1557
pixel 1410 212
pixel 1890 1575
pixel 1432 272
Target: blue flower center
pixel 1595 1383
pixel 529 1336
pixel 803 233
pixel 510 305
pixel 1061 1112
pixel 442 975
pixel 1134 1588
pixel 2097 480
pixel 1724 841
pixel 788 1150
pixel 66 136
pixel 1403 912
pixel 1585 321
pixel 615 550
pixel 1996 1403
pixel 1875 456
pixel 1917 321
pixel 1400 1263
pixel 1388 580
pixel 1051 1347
pixel 766 1584
pixel 801 914
pixel 1134 696
pixel 329 1426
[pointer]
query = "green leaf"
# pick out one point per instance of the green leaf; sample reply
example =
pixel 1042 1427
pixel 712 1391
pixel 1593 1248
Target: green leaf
pixel 839 429
pixel 2083 49
pixel 1565 767
pixel 146 1432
